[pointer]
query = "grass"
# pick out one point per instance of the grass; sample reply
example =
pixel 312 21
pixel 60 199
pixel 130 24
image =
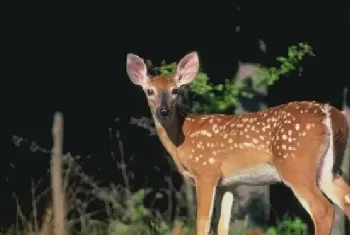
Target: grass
pixel 68 208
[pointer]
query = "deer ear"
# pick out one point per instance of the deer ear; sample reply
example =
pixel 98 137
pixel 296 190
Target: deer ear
pixel 187 69
pixel 136 69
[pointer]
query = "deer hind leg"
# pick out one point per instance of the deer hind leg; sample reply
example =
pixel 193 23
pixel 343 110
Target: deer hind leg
pixel 301 178
pixel 338 191
pixel 311 198
pixel 335 187
pixel 318 207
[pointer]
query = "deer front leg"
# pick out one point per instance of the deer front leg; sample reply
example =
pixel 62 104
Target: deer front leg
pixel 205 191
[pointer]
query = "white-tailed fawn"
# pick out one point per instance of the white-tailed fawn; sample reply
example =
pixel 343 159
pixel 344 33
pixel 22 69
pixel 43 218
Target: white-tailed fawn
pixel 299 143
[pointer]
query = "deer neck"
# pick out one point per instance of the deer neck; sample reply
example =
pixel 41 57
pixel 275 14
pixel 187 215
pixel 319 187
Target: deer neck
pixel 171 134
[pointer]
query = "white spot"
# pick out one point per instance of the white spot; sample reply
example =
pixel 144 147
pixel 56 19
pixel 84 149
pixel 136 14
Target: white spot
pixel 248 144
pixel 211 160
pixel 297 126
pixel 215 128
pixel 347 199
pixel 204 132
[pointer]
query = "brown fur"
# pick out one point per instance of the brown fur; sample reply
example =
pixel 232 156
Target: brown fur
pixel 161 82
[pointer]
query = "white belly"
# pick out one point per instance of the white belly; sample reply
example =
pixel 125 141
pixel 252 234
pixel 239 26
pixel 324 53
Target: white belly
pixel 261 175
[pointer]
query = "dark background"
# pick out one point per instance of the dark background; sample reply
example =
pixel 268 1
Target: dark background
pixel 71 57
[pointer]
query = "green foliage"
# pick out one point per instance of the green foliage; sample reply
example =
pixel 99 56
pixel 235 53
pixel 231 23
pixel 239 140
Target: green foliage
pixel 137 209
pixel 288 226
pixel 138 218
pixel 287 64
pixel 218 98
pixel 136 214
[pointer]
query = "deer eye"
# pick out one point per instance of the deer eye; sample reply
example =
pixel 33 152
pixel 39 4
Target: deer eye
pixel 150 92
pixel 175 90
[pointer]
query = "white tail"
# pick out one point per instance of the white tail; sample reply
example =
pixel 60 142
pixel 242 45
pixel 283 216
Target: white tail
pixel 299 143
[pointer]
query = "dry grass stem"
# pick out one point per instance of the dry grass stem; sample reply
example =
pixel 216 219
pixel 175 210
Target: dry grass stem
pixel 59 213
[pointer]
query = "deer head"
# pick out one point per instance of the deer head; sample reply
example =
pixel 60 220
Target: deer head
pixel 161 91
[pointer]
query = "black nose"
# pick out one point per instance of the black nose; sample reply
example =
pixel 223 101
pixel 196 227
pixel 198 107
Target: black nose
pixel 164 112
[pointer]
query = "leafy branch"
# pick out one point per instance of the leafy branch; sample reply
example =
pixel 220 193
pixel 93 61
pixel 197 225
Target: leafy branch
pixel 218 98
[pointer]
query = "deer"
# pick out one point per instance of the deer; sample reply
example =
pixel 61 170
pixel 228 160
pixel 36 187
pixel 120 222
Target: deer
pixel 251 205
pixel 300 144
